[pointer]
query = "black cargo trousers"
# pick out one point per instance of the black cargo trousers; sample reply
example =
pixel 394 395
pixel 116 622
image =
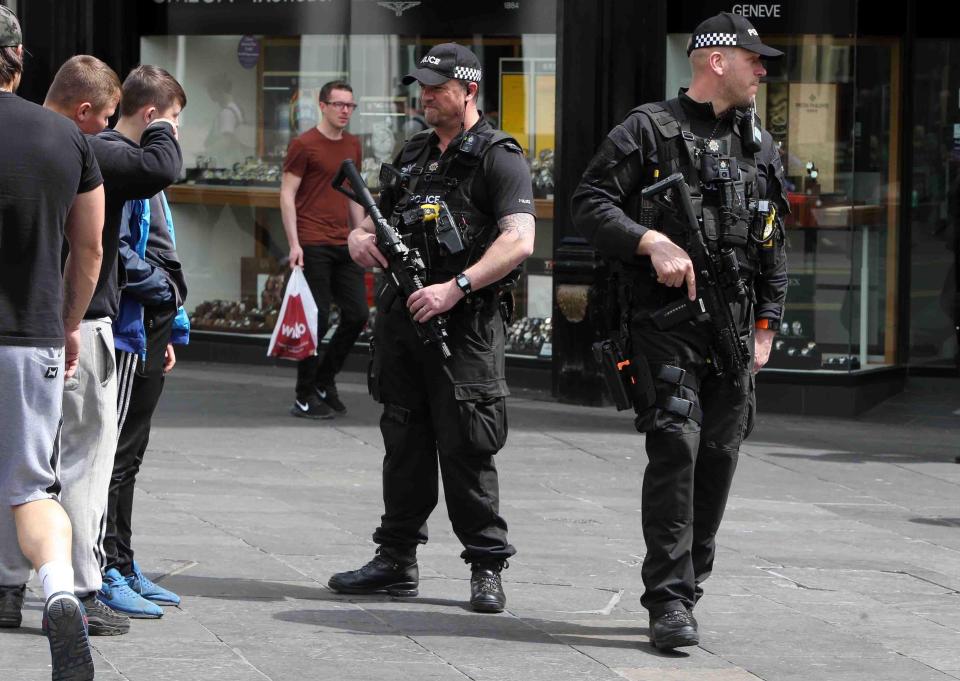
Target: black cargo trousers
pixel 452 412
pixel 690 466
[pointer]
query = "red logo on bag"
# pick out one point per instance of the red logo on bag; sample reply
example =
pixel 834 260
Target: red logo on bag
pixel 294 331
pixel 294 340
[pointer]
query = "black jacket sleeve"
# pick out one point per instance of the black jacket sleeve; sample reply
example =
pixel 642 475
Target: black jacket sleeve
pixel 132 172
pixel 615 175
pixel 770 286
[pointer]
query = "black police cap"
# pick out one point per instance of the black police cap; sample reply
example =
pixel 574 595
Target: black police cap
pixel 446 61
pixel 730 30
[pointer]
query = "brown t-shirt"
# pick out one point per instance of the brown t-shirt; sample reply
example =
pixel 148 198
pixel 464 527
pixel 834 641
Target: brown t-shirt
pixel 322 211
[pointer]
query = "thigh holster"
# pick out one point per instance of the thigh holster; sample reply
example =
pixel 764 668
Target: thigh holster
pixel 667 380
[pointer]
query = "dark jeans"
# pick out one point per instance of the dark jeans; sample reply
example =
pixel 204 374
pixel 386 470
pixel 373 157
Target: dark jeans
pixel 332 277
pixel 425 404
pixel 690 468
pixel 144 396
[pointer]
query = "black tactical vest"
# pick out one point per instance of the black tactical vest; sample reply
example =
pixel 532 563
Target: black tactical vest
pixel 448 179
pixel 726 220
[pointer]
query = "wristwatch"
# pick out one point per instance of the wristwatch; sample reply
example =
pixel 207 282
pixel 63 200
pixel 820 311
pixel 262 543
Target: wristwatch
pixel 463 283
pixel 768 324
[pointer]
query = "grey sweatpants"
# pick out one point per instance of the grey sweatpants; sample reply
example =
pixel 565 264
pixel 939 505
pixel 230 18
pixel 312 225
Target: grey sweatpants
pixel 31 388
pixel 88 444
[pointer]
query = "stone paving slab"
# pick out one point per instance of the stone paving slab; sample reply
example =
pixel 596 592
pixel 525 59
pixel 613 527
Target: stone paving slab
pixel 838 560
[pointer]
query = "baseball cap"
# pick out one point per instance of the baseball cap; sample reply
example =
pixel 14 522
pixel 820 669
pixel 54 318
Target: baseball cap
pixel 10 33
pixel 443 62
pixel 729 30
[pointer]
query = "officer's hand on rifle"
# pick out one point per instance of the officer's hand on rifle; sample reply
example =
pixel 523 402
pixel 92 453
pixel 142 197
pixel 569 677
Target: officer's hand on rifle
pixel 363 249
pixel 433 300
pixel 672 264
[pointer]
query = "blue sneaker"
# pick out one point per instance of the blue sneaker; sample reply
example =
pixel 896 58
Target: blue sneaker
pixel 149 590
pixel 116 593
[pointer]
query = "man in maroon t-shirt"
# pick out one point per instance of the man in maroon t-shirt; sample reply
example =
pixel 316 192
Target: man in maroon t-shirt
pixel 317 220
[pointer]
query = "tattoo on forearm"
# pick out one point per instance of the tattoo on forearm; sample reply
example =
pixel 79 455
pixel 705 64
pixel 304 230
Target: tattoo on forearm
pixel 520 224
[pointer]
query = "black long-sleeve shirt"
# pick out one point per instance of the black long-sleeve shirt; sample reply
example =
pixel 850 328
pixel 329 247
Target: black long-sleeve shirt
pixel 129 172
pixel 624 165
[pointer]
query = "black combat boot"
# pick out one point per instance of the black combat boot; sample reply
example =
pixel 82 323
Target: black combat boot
pixel 673 629
pixel 395 576
pixel 11 603
pixel 486 589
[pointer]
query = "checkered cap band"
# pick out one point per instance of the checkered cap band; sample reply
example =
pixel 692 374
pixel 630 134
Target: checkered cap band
pixel 714 39
pixel 467 73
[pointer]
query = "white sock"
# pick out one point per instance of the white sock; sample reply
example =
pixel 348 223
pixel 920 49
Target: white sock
pixel 56 576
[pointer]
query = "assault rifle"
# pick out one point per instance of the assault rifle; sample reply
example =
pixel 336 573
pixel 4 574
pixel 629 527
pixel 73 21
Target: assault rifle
pixel 404 265
pixel 714 274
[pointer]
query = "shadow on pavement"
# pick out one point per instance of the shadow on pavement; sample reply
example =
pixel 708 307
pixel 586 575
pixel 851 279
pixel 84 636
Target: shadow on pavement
pixel 940 522
pixel 868 457
pixel 367 620
pixel 239 589
pixel 515 629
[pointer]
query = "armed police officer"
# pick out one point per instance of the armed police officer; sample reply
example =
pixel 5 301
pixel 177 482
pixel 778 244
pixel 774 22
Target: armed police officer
pixel 700 277
pixel 461 195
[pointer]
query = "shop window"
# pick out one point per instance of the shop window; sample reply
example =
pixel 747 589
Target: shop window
pixel 832 106
pixel 934 192
pixel 249 96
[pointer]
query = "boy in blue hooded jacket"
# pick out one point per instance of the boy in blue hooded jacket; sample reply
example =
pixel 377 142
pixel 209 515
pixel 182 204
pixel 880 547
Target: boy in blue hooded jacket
pixel 151 320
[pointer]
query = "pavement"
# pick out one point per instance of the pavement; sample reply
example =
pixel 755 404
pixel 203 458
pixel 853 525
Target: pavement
pixel 839 556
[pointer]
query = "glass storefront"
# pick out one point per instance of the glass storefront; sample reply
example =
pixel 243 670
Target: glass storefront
pixel 832 104
pixel 251 92
pixel 935 205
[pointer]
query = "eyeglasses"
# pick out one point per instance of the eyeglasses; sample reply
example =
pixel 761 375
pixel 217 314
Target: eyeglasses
pixel 342 106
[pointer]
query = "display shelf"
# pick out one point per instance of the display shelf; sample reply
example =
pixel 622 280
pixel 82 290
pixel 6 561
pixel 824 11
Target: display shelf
pixel 269 197
pixel 219 195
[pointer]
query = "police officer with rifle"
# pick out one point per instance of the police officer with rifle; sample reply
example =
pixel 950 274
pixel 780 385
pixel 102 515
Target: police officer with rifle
pixel 455 221
pixel 684 200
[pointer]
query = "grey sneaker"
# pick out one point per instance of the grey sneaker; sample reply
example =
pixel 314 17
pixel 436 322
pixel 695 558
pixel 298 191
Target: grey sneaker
pixel 102 620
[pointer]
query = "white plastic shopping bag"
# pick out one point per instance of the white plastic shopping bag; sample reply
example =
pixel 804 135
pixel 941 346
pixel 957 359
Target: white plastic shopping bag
pixel 295 336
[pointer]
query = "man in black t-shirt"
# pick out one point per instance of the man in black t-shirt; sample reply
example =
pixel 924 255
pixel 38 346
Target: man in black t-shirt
pixel 450 410
pixel 51 191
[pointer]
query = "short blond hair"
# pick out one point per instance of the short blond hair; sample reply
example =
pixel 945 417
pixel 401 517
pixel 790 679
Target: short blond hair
pixel 84 79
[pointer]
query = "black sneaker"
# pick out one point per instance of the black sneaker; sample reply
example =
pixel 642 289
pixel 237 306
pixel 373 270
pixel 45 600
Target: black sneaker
pixel 383 573
pixel 311 408
pixel 329 395
pixel 486 589
pixel 11 604
pixel 102 620
pixel 65 626
pixel 673 629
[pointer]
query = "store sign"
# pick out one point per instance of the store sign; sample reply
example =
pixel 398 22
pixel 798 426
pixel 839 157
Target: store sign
pixel 248 51
pixel 783 17
pixel 424 18
pixel 241 17
pixel 399 7
pixel 758 10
